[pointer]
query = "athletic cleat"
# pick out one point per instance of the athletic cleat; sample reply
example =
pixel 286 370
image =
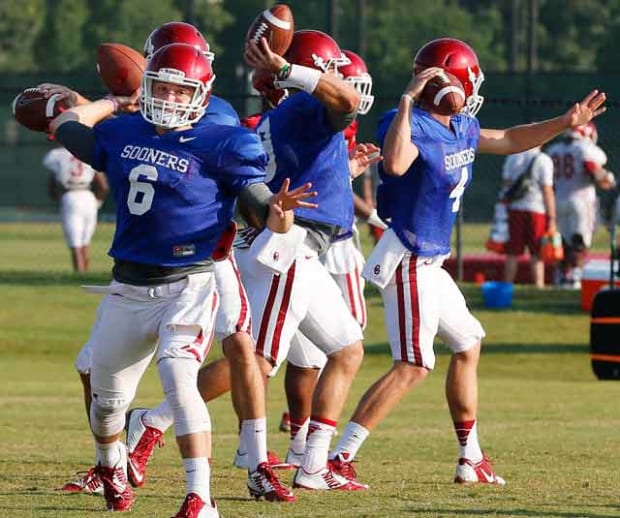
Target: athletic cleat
pixel 116 489
pixel 343 467
pixel 265 483
pixel 294 459
pixel 285 422
pixel 90 484
pixel 468 472
pixel 326 479
pixel 242 461
pixel 195 507
pixel 141 441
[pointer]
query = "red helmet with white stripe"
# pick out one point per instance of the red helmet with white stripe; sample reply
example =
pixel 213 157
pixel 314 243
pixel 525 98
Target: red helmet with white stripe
pixel 458 58
pixel 178 64
pixel 584 132
pixel 315 49
pixel 356 73
pixel 176 32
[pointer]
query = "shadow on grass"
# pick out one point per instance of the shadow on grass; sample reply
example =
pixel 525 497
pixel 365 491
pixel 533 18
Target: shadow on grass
pixel 508 512
pixel 50 278
pixel 384 348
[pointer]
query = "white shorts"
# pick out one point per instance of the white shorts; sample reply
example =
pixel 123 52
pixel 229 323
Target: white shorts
pixel 78 210
pixel 304 354
pixel 135 322
pixel 233 315
pixel 345 263
pixel 421 301
pixel 576 216
pixel 306 298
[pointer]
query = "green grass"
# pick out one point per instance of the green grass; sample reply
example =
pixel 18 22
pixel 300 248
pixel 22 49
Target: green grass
pixel 549 425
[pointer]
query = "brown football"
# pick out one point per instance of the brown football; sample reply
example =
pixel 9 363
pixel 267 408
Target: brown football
pixel 120 68
pixel 35 111
pixel 276 24
pixel 444 94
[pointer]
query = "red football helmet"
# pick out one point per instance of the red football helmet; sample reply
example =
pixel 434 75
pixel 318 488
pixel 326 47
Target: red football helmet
pixel 459 59
pixel 356 73
pixel 176 32
pixel 584 132
pixel 262 81
pixel 315 49
pixel 179 64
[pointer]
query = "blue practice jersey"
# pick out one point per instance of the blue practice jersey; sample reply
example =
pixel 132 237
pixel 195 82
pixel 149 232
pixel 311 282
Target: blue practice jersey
pixel 302 145
pixel 174 193
pixel 423 203
pixel 219 111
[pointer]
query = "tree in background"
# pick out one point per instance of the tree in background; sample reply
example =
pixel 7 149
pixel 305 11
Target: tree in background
pixel 20 22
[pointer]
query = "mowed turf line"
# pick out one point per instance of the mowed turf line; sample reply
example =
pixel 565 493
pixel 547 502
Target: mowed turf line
pixel 549 425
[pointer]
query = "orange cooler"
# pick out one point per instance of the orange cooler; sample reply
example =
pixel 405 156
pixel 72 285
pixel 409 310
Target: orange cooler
pixel 595 276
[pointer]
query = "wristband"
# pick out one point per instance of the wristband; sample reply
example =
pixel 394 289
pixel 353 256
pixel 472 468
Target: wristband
pixel 303 78
pixel 284 72
pixel 407 97
pixel 114 102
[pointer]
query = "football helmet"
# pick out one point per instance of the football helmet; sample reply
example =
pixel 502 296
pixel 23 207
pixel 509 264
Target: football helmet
pixel 584 132
pixel 179 64
pixel 262 81
pixel 315 49
pixel 177 32
pixel 356 73
pixel 458 58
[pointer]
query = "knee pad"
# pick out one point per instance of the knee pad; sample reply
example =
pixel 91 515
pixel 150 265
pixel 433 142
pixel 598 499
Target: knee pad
pixel 179 377
pixel 107 415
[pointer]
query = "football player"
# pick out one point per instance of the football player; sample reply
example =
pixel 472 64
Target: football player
pixel 579 167
pixel 289 287
pixel 427 166
pixel 72 182
pixel 174 201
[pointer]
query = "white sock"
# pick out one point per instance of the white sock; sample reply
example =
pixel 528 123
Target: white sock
pixel 298 441
pixel 197 475
pixel 471 447
pixel 109 455
pixel 351 441
pixel 159 417
pixel 254 437
pixel 317 445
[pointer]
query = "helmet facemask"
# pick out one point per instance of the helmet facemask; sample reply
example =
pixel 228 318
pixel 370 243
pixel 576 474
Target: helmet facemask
pixel 170 114
pixel 363 85
pixel 474 101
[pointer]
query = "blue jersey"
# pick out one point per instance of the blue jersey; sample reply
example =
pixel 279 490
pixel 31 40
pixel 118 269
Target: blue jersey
pixel 423 203
pixel 302 145
pixel 175 193
pixel 219 111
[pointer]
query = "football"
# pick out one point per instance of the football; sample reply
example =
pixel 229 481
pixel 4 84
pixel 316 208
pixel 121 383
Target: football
pixel 120 68
pixel 35 111
pixel 444 94
pixel 276 25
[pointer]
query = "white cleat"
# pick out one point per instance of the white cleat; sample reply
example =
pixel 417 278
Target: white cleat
pixel 325 479
pixel 481 472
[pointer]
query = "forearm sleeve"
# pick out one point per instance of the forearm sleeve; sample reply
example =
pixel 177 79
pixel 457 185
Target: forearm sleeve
pixel 254 204
pixel 78 139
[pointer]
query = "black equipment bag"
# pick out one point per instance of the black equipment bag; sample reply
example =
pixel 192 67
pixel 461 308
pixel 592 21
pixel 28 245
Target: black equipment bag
pixel 605 322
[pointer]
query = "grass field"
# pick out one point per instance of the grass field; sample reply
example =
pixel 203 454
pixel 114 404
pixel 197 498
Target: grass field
pixel 551 428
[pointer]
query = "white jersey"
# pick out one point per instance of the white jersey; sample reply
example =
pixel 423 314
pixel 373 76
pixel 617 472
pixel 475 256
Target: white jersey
pixel 570 159
pixel 541 175
pixel 69 172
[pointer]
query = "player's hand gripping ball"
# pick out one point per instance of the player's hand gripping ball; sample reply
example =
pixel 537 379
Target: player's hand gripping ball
pixel 33 110
pixel 120 68
pixel 276 25
pixel 444 94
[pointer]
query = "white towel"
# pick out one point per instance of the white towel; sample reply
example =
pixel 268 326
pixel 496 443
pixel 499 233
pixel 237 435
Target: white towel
pixel 278 251
pixel 384 259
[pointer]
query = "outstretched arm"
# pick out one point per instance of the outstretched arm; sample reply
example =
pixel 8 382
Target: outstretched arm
pixel 527 136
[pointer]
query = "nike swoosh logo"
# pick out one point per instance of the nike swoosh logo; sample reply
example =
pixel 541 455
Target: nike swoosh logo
pixel 183 140
pixel 489 477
